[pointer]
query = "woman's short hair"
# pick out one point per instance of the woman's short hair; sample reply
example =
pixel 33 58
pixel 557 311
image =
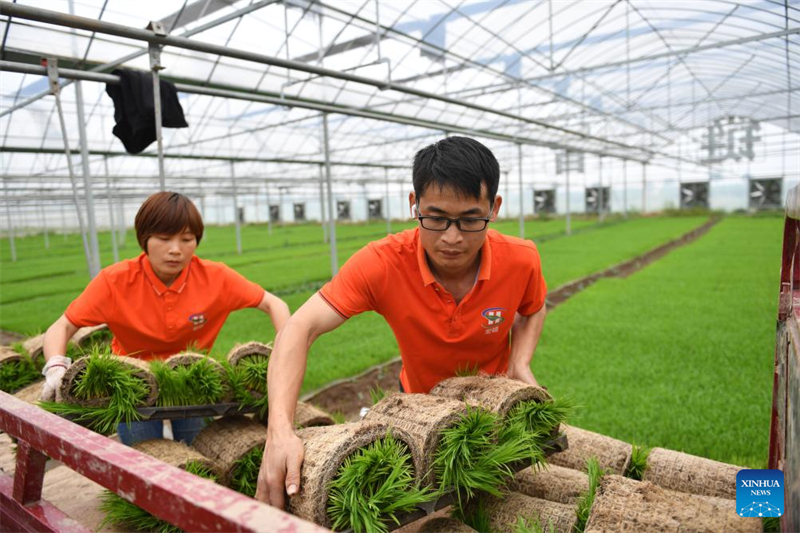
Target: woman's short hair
pixel 167 213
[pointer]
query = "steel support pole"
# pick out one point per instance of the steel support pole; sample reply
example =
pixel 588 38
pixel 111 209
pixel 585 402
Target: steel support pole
pixel 625 188
pixel 52 74
pixel 155 67
pixel 44 227
pixel 63 223
pixel 114 247
pixel 569 214
pixel 521 196
pixel 120 219
pixel 329 180
pixel 237 221
pixel 11 241
pixel 280 206
pixel 322 204
pixel 508 189
pixel 94 248
pixel 269 213
pixel 644 188
pixel 388 215
pixel 601 208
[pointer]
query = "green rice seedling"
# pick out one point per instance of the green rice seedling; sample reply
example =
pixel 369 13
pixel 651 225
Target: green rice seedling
pixel 476 517
pixel 377 394
pixel 249 383
pixel 587 499
pixel 771 524
pixel 477 453
pixel 122 514
pixel 17 374
pixel 638 465
pixel 516 432
pixel 104 377
pixel 253 370
pixel 533 525
pixel 338 417
pixel 467 370
pixel 541 417
pixel 244 475
pixel 196 384
pixel 372 486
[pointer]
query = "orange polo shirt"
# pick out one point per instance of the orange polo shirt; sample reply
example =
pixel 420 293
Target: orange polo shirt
pixel 437 337
pixel 152 321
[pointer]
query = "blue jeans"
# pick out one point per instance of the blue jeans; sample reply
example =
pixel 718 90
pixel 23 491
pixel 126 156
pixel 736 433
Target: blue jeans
pixel 183 429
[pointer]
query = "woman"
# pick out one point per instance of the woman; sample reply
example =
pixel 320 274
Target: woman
pixel 158 303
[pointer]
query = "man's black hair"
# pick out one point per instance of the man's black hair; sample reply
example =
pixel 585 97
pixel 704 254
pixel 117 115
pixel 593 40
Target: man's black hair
pixel 458 162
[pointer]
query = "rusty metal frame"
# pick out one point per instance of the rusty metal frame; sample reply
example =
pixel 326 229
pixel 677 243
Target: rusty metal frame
pixel 784 438
pixel 185 500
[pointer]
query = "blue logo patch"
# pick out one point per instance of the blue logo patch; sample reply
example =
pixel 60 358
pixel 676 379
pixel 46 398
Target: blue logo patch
pixel 759 493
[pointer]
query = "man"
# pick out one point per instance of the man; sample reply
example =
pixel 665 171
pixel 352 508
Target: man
pixel 452 292
pixel 158 304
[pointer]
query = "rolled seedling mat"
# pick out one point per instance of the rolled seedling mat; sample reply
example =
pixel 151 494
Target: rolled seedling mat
pixel 497 394
pixel 326 448
pixel 551 483
pixel 248 349
pixel 190 358
pixel 175 453
pixel 504 513
pixel 140 369
pixel 8 355
pixel 424 417
pixel 306 415
pixel 692 474
pixel 83 334
pixel 227 440
pixel 20 370
pixel 32 393
pixel 440 524
pixel 34 345
pixel 613 455
pixel 622 504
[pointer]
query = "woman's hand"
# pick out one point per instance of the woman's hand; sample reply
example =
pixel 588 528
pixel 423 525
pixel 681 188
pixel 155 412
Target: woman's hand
pixel 53 373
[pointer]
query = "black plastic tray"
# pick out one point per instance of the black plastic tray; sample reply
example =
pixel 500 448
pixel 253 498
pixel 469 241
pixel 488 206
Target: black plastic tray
pixel 193 411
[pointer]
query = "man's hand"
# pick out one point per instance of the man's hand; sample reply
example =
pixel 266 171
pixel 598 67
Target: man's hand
pixel 280 468
pixel 53 373
pixel 522 373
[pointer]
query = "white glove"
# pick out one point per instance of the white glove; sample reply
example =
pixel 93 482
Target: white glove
pixel 53 373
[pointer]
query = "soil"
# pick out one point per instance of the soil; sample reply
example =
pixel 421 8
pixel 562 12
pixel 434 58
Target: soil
pixel 10 337
pixel 348 396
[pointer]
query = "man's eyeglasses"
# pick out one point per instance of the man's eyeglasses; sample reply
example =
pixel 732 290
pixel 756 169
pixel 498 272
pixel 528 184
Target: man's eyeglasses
pixel 466 224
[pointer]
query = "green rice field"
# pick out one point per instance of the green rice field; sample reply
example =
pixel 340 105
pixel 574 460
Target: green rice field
pixel 677 355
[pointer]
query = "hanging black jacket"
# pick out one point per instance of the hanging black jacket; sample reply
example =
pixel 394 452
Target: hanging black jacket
pixel 134 112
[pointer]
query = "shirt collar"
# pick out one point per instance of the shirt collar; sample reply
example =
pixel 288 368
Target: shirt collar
pixel 484 272
pixel 157 284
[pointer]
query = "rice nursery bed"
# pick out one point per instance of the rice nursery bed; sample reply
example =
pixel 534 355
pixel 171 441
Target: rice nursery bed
pixel 679 355
pixel 363 341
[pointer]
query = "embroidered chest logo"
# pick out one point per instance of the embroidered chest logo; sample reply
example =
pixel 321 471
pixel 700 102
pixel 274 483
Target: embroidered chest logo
pixel 494 317
pixel 198 320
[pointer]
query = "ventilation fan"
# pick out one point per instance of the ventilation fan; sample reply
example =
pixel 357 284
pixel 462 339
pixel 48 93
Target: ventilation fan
pixel 299 212
pixel 544 201
pixel 593 199
pixel 766 193
pixel 343 210
pixel 694 195
pixel 274 212
pixel 375 209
